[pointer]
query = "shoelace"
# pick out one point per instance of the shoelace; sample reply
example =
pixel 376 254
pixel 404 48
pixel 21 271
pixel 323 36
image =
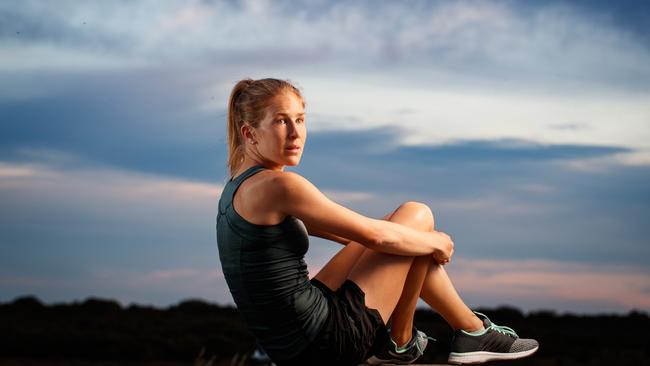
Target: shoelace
pixel 504 330
pixel 421 335
pixel 418 335
pixel 499 328
pixel 429 338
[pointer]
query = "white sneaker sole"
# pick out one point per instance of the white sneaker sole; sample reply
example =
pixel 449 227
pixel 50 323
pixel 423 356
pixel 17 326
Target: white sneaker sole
pixel 482 356
pixel 378 361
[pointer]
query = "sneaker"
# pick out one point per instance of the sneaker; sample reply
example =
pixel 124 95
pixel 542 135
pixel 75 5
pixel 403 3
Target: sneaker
pixel 402 355
pixel 494 343
pixel 260 358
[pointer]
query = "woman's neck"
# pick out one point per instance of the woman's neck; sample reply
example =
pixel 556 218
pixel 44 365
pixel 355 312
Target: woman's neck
pixel 248 163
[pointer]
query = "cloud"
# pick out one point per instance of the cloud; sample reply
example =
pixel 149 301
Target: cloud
pixel 75 231
pixel 447 112
pixel 631 17
pixel 505 180
pixel 556 40
pixel 543 284
pixel 370 154
pixel 139 123
pixel 527 284
pixel 523 125
pixel 101 224
pixel 133 124
pixel 11 171
pixel 71 233
pixel 454 71
pixel 348 196
pixel 502 150
pixel 572 126
pixel 161 287
pixel 512 199
pixel 109 185
pixel 65 221
pixel 384 143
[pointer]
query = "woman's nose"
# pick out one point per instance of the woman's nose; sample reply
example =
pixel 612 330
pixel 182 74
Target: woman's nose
pixel 293 129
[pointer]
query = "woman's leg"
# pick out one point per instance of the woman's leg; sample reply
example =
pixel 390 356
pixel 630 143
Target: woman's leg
pixel 382 276
pixel 402 317
pixel 398 281
pixel 429 280
pixel 440 294
pixel 420 217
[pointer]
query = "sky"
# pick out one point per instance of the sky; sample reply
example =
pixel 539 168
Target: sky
pixel 524 125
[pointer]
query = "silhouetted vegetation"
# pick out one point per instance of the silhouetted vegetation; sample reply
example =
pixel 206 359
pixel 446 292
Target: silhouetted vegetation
pixel 101 332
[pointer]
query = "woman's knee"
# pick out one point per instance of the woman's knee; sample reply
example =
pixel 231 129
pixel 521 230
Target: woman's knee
pixel 419 214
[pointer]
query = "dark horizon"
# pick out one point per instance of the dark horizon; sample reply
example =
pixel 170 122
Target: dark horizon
pixel 194 332
pixel 125 305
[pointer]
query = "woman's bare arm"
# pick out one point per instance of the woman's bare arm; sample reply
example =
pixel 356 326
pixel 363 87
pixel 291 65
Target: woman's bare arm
pixel 332 237
pixel 294 195
pixel 329 236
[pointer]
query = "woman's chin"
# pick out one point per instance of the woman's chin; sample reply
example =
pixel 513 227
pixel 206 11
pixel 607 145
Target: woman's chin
pixel 292 162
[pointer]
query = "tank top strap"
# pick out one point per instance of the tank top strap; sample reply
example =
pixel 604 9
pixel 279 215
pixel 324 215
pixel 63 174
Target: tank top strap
pixel 232 186
pixel 246 173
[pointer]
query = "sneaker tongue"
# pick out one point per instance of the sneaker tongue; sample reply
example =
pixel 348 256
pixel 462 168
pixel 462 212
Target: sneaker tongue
pixel 486 323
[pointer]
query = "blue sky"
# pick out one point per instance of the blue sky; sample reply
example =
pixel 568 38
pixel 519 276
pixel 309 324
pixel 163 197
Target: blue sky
pixel 525 126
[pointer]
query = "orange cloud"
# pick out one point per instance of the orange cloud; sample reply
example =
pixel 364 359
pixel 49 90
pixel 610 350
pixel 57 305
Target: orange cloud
pixel 541 280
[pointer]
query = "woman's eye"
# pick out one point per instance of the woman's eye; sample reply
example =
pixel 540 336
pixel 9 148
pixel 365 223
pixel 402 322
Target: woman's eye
pixel 299 120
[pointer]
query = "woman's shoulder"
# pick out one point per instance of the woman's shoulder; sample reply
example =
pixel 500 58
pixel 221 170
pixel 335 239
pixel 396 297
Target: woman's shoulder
pixel 277 184
pixel 267 187
pixel 285 177
pixel 273 187
pixel 260 196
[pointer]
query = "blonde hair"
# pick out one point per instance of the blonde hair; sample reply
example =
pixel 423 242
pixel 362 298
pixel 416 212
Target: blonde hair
pixel 248 102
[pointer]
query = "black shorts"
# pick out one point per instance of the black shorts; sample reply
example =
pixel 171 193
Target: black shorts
pixel 352 332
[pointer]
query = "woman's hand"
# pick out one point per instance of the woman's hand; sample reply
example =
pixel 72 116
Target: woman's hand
pixel 442 254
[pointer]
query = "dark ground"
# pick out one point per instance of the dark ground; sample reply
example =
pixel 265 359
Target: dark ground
pixel 101 332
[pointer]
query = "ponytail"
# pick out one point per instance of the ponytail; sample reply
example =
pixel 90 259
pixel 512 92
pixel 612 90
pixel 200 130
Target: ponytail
pixel 235 143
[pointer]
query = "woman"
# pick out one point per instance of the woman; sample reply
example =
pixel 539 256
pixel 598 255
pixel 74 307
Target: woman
pixel 338 317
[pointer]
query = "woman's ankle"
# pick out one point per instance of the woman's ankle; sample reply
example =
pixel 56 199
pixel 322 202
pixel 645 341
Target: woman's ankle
pixel 401 337
pixel 473 324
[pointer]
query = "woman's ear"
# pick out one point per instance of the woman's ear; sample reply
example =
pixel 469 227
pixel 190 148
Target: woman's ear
pixel 248 132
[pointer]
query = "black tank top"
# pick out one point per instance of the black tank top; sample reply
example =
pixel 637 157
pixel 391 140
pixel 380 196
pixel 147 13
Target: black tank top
pixel 265 270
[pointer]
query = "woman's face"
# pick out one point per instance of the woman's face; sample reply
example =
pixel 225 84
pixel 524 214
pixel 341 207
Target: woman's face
pixel 281 135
